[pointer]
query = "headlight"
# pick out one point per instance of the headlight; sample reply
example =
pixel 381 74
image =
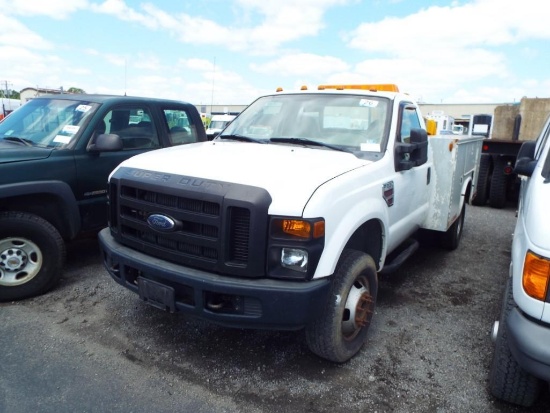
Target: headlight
pixel 536 275
pixel 294 259
pixel 295 246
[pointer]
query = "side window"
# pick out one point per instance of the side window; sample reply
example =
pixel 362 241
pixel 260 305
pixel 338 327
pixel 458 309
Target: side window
pixel 409 120
pixel 181 130
pixel 134 125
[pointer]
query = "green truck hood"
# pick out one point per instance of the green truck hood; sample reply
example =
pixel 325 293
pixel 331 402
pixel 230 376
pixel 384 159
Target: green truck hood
pixel 15 153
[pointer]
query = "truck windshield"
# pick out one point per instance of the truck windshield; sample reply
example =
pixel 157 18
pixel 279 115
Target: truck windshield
pixel 46 122
pixel 347 122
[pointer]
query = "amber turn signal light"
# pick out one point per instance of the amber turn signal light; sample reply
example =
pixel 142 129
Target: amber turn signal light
pixel 536 274
pixel 303 229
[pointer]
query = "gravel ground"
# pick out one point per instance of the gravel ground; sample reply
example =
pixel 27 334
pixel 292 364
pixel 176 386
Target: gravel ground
pixel 92 346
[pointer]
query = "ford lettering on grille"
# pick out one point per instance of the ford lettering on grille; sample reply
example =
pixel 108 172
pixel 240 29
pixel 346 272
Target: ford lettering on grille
pixel 161 222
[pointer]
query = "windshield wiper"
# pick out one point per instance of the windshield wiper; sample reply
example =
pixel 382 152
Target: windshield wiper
pixel 26 142
pixel 241 138
pixel 311 142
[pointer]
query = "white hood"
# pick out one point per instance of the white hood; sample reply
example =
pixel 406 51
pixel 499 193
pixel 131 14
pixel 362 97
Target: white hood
pixel 289 173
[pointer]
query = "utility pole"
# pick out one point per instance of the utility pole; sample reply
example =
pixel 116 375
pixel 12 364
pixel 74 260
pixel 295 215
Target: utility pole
pixel 7 96
pixel 5 82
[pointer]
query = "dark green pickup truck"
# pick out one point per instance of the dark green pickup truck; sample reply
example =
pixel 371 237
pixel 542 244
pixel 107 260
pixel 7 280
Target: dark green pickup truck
pixel 56 153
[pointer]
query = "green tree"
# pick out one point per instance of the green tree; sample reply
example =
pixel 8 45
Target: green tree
pixel 75 90
pixel 12 94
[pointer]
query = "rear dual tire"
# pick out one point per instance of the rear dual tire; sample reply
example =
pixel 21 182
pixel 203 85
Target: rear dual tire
pixel 499 184
pixel 483 181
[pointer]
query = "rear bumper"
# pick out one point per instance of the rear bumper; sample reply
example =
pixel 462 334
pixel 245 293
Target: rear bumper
pixel 229 301
pixel 529 343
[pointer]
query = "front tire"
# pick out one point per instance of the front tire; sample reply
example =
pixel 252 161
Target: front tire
pixel 341 329
pixel 507 380
pixel 31 255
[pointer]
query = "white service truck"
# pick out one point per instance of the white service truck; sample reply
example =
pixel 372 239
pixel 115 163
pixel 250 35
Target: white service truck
pixel 285 220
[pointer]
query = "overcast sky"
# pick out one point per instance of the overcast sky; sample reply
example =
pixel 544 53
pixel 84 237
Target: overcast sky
pixel 232 51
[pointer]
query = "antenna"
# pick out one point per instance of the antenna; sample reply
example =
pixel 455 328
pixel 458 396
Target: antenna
pixel 213 77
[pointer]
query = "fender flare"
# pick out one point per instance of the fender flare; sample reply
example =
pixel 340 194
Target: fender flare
pixel 69 224
pixel 466 191
pixel 364 211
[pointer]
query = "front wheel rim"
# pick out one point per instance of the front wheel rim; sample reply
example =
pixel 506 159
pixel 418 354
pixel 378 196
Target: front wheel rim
pixel 358 309
pixel 20 261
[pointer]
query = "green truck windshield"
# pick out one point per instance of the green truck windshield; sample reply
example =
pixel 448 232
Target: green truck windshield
pixel 47 122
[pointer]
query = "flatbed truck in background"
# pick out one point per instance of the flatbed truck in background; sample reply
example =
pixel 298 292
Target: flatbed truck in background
pixel 504 132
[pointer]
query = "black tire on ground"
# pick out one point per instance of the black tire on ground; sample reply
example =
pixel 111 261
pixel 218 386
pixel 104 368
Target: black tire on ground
pixel 507 380
pixel 499 184
pixel 340 331
pixel 451 238
pixel 483 180
pixel 31 255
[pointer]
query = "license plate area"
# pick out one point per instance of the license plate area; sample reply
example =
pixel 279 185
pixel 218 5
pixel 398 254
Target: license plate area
pixel 156 294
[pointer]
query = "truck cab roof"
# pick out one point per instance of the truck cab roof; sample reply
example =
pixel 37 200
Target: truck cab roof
pixel 101 98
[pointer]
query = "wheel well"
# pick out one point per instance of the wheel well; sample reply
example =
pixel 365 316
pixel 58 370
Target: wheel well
pixel 468 192
pixel 368 238
pixel 46 206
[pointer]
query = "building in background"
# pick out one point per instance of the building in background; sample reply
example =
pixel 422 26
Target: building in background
pixel 31 92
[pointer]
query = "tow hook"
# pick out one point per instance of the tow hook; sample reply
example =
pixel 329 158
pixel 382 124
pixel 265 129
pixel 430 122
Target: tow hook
pixel 214 306
pixel 494 331
pixel 224 303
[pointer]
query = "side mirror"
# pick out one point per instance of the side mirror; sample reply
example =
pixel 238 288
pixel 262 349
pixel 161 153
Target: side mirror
pixel 420 137
pixel 525 166
pixel 527 149
pixel 106 143
pixel 525 162
pixel 409 155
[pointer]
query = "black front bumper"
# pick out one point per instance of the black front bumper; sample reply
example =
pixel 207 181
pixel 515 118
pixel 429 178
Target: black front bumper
pixel 224 300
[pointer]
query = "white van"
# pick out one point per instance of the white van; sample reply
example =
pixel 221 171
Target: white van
pixel 521 362
pixel 217 124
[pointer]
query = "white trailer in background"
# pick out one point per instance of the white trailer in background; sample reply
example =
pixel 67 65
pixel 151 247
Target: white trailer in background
pixel 437 123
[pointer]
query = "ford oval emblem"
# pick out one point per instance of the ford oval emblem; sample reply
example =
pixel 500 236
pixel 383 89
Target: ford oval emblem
pixel 161 222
